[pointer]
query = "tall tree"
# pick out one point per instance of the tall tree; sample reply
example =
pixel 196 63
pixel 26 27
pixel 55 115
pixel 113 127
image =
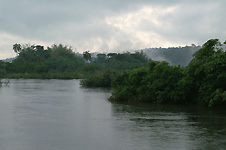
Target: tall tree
pixel 17 48
pixel 87 56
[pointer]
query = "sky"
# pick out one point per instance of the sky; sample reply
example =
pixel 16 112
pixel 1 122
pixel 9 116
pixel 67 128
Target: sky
pixel 110 25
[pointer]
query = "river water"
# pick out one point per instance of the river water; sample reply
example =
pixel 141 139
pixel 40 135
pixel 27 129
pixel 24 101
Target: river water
pixel 61 115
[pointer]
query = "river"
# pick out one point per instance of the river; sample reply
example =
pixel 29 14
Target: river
pixel 61 115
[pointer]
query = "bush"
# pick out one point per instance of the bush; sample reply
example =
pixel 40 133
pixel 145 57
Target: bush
pixel 101 79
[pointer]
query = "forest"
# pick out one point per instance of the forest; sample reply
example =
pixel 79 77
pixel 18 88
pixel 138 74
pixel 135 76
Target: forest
pixel 202 81
pixel 133 77
pixel 61 62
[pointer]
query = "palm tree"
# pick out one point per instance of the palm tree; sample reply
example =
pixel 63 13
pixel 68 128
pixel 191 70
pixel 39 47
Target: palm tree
pixel 17 48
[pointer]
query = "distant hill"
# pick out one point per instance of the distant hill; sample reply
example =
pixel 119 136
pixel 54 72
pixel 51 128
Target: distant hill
pixel 9 59
pixel 174 55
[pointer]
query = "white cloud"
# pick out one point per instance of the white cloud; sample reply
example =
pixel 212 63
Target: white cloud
pixel 7 40
pixel 140 27
pixel 113 25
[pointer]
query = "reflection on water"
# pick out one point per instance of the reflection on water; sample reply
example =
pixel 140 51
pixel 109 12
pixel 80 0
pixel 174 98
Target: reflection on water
pixel 60 115
pixel 172 127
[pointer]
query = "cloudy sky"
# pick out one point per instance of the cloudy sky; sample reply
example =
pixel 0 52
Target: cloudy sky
pixel 110 25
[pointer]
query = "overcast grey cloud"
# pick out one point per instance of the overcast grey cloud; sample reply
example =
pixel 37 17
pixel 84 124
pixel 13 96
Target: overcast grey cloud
pixel 112 25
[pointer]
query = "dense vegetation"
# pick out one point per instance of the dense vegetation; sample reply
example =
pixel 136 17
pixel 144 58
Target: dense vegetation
pixel 112 64
pixel 131 75
pixel 59 61
pixel 203 81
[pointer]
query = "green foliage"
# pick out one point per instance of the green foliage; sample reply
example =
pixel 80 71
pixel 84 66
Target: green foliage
pixel 49 75
pixel 101 69
pixel 34 60
pixel 101 58
pixel 87 56
pixel 3 72
pixel 2 69
pixel 207 71
pixel 129 85
pixel 203 81
pixel 218 97
pixel 101 79
pixel 207 50
pixel 121 61
pixel 155 83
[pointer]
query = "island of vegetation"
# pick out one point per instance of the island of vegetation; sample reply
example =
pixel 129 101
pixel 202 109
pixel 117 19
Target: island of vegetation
pixel 132 76
pixel 61 62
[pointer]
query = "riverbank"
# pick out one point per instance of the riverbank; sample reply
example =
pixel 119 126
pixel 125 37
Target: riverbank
pixel 202 82
pixel 51 75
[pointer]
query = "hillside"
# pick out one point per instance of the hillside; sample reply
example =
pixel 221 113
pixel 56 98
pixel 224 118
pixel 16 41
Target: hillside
pixel 174 55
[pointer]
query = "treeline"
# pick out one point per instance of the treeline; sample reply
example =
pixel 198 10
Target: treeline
pixel 202 82
pixel 112 64
pixel 61 62
pixel 131 75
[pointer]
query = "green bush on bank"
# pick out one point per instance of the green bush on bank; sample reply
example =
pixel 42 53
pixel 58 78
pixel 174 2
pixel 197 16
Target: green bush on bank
pixel 101 79
pixel 156 83
pixel 50 75
pixel 202 82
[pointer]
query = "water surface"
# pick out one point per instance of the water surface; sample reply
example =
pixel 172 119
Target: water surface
pixel 60 115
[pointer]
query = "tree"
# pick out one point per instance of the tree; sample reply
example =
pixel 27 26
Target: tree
pixel 111 55
pixel 101 58
pixel 207 75
pixel 156 83
pixel 87 56
pixel 17 48
pixel 208 49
